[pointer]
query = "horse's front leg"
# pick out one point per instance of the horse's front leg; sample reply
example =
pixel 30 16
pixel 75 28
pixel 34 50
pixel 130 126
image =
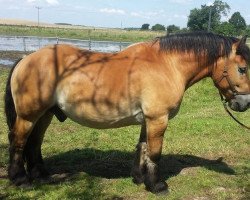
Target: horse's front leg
pixel 156 127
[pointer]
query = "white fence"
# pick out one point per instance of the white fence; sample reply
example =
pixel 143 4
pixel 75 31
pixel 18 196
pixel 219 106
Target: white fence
pixel 31 43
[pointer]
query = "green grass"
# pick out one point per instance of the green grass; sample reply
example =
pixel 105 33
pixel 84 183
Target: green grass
pixel 205 156
pixel 84 34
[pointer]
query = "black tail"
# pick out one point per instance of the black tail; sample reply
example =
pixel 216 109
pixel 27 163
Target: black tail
pixel 10 110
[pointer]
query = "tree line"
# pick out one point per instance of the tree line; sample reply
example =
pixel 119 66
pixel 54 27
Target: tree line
pixel 209 18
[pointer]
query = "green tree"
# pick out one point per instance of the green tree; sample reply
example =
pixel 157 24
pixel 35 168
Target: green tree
pixel 145 27
pixel 238 22
pixel 225 28
pixel 247 31
pixel 158 27
pixel 173 29
pixel 198 19
pixel 184 30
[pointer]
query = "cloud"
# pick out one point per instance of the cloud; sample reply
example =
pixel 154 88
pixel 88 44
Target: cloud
pixel 31 1
pixel 135 14
pixel 52 2
pixel 182 2
pixel 180 16
pixel 112 11
pixel 148 15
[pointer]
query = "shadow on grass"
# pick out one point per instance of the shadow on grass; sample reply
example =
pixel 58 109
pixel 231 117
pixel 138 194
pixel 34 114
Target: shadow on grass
pixel 92 165
pixel 117 164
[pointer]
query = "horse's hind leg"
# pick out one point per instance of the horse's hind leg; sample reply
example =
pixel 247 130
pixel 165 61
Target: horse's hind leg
pixel 18 138
pixel 32 151
pixel 138 170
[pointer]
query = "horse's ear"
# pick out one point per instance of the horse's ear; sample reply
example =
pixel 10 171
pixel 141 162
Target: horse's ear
pixel 243 40
pixel 240 43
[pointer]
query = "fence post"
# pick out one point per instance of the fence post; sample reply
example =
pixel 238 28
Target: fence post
pixel 39 43
pixel 24 44
pixel 120 45
pixel 57 40
pixel 89 44
pixel 89 39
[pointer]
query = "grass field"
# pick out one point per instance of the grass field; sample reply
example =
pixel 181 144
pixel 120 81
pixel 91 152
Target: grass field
pixel 95 34
pixel 206 155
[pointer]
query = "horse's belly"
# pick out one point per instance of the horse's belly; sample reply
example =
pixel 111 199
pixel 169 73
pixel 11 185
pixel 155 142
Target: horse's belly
pixel 101 115
pixel 103 123
pixel 103 120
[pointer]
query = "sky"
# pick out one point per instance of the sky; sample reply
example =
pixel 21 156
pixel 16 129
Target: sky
pixel 113 13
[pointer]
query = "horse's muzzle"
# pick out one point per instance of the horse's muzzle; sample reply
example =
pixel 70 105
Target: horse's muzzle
pixel 240 103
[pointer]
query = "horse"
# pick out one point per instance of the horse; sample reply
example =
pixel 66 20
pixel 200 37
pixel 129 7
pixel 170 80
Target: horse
pixel 142 85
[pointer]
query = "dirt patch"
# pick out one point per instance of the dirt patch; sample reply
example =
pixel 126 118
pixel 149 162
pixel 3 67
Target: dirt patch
pixel 12 55
pixel 7 58
pixel 189 171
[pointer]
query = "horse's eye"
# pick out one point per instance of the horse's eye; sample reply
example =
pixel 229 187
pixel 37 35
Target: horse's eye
pixel 242 70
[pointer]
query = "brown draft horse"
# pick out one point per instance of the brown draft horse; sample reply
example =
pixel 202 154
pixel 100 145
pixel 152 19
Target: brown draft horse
pixel 143 84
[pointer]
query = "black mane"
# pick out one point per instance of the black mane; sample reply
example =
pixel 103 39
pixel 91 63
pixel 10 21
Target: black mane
pixel 202 44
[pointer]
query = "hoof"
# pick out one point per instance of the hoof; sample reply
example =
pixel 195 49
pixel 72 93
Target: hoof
pixel 160 188
pixel 21 181
pixel 17 175
pixel 27 185
pixel 38 172
pixel 138 177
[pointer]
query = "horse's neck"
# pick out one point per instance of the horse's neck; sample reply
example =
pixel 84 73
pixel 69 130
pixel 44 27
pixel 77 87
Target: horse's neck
pixel 197 76
pixel 188 66
pixel 191 71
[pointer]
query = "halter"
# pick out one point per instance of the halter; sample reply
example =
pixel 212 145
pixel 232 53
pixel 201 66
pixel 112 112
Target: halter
pixel 235 92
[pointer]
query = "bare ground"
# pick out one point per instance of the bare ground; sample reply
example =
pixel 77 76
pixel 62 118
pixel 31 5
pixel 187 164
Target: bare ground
pixel 12 56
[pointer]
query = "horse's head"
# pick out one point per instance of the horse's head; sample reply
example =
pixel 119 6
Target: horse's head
pixel 231 76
